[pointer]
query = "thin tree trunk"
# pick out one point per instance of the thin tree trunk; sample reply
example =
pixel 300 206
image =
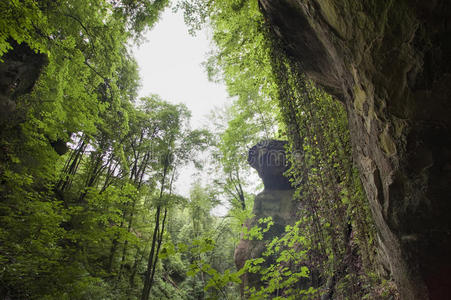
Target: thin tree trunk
pixel 138 259
pixel 109 175
pixel 138 180
pixel 124 250
pixel 156 241
pixel 71 167
pixel 113 249
pixel 93 176
pixel 148 276
pixel 160 240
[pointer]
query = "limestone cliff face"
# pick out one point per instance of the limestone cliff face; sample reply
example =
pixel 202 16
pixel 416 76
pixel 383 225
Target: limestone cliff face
pixel 389 62
pixel 276 201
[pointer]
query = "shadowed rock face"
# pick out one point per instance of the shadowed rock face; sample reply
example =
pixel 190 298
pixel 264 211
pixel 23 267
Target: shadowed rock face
pixel 389 62
pixel 18 75
pixel 19 72
pixel 276 201
pixel 268 158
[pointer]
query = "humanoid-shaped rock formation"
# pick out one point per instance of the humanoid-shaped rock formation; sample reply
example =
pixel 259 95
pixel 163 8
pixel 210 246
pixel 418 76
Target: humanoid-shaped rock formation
pixel 276 201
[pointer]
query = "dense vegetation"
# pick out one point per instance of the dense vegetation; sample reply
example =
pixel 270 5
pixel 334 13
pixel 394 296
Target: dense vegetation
pixel 87 170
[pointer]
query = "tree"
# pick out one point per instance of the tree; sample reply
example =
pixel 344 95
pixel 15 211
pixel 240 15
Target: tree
pixel 256 69
pixel 177 145
pixel 49 209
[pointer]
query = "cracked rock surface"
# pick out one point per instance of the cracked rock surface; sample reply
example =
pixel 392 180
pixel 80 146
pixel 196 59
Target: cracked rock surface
pixel 389 62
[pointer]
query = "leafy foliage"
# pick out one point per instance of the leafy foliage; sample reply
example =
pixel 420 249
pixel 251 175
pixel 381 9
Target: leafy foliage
pixel 334 237
pixel 87 170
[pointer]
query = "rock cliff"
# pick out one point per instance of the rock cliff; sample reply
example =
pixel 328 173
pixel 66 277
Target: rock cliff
pixel 389 62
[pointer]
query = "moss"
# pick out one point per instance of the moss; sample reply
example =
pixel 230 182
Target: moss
pixel 387 143
pixel 362 21
pixel 359 99
pixel 329 13
pixel 399 126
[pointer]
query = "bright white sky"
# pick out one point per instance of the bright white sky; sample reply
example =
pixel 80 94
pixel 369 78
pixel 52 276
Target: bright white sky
pixel 170 66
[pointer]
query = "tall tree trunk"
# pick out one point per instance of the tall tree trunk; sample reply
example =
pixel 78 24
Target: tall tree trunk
pixel 160 240
pixel 138 259
pixel 71 167
pixel 113 249
pixel 124 250
pixel 94 173
pixel 157 238
pixel 148 276
pixel 138 180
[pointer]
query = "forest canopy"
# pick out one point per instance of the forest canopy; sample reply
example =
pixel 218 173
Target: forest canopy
pixel 87 169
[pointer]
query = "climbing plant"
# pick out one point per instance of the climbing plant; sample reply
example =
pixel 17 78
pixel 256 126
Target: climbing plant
pixel 334 236
pixel 88 205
